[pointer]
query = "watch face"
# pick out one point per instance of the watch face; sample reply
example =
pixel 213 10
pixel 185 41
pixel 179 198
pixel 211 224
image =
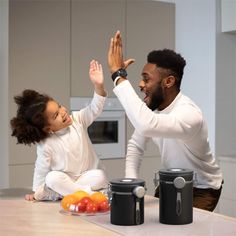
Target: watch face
pixel 121 72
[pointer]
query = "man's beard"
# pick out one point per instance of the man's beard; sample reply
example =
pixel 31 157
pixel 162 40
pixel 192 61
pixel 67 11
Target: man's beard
pixel 157 98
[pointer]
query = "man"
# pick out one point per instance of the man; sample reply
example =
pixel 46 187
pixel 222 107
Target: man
pixel 168 117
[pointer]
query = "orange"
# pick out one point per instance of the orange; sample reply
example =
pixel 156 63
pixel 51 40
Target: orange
pixel 98 197
pixel 67 201
pixel 80 194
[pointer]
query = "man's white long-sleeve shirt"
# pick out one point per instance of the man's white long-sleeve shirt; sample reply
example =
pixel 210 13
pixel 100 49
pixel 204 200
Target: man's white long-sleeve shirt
pixel 69 150
pixel 179 131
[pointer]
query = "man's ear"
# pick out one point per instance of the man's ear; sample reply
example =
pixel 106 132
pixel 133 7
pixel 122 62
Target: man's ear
pixel 169 81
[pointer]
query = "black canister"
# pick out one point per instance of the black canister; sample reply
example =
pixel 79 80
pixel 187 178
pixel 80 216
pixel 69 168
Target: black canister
pixel 176 196
pixel 127 201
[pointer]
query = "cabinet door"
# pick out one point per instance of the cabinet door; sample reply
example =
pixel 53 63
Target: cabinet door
pixel 39 54
pixel 93 23
pixel 39 49
pixel 150 26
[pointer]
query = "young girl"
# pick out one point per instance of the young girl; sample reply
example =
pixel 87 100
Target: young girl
pixel 66 161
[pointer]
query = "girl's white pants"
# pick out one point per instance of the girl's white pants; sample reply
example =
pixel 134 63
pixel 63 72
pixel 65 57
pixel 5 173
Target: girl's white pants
pixel 61 184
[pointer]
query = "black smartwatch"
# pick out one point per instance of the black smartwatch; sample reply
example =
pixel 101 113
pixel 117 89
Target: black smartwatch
pixel 119 73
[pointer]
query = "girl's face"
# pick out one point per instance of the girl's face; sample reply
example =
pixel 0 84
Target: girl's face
pixel 57 117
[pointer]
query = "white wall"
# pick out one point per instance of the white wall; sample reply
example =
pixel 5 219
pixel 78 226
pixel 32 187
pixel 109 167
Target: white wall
pixel 225 87
pixel 228 15
pixel 4 93
pixel 195 40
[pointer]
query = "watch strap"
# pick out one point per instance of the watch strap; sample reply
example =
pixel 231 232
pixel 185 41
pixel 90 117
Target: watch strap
pixel 121 72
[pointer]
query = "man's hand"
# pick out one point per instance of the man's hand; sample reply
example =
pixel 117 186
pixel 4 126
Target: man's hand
pixel 115 54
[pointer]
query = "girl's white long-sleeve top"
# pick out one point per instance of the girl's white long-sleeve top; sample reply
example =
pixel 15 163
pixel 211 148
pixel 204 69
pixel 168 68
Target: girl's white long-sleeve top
pixel 69 150
pixel 179 131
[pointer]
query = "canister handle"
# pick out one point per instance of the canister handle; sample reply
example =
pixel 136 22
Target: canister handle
pixel 178 204
pixel 195 181
pixel 137 212
pixel 156 180
pixel 109 194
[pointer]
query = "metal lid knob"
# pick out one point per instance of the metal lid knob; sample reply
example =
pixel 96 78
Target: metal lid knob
pixel 139 191
pixel 179 182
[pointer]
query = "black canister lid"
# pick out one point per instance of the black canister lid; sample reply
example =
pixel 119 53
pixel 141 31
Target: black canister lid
pixel 125 184
pixel 172 173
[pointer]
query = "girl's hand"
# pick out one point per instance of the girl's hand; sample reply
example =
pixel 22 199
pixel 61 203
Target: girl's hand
pixel 96 73
pixel 97 78
pixel 29 197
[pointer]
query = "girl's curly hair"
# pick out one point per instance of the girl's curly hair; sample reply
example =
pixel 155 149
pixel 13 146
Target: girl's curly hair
pixel 30 119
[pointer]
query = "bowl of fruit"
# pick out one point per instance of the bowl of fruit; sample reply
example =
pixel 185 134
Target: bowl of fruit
pixel 83 203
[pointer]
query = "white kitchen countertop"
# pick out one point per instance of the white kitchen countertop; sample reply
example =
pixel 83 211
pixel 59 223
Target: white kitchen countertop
pixel 204 223
pixel 20 217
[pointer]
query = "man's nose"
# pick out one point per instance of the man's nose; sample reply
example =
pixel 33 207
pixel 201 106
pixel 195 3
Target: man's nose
pixel 141 84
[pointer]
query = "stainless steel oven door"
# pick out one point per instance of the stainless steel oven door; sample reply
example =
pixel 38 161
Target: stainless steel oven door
pixel 107 134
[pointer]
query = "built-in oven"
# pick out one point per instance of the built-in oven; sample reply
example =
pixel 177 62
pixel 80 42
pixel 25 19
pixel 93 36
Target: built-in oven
pixel 108 131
